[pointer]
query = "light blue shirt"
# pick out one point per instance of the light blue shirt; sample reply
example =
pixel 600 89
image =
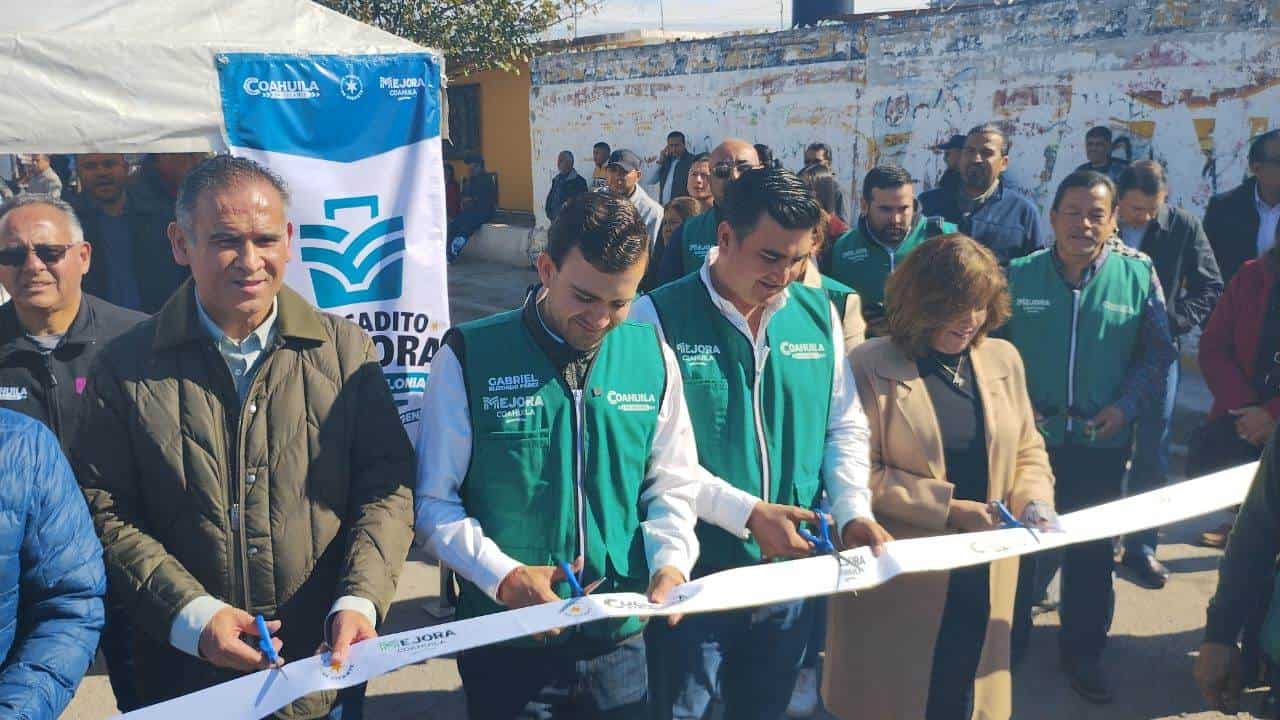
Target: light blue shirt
pixel 242 357
pixel 1133 236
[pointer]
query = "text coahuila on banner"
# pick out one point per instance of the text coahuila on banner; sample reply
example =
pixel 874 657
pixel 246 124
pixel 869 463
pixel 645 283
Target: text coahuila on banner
pixel 357 139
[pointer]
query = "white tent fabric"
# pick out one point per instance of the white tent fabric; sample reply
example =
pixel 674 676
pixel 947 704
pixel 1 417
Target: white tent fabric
pixel 138 75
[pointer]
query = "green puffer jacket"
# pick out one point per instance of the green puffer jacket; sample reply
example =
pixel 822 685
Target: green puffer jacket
pixel 278 507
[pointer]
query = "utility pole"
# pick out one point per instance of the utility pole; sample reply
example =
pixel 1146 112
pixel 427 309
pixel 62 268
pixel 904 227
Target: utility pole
pixel 662 17
pixel 782 23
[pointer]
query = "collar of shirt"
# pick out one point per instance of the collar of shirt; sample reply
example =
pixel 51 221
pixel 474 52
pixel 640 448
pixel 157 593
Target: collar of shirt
pixel 240 356
pixel 1089 271
pixel 1263 208
pixel 971 204
pixel 730 312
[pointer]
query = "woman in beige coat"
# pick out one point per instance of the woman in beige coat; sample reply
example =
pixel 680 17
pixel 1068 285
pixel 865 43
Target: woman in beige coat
pixel 952 431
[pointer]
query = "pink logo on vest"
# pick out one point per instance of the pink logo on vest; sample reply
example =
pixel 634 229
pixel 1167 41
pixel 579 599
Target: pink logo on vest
pixel 80 383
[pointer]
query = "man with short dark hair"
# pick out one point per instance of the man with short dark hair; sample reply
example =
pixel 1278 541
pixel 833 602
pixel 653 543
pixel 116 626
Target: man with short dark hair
pixel 982 207
pixel 243 456
pixel 1175 241
pixel 688 245
pixel 819 153
pixel 600 153
pixel 42 179
pixel 889 229
pixel 739 325
pixel 672 173
pixel 1090 322
pixel 624 180
pixel 50 333
pixel 1241 223
pixel 565 185
pixel 479 204
pixel 560 434
pixel 1098 146
pixel 133 266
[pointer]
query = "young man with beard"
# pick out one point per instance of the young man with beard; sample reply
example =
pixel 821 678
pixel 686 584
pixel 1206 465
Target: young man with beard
pixel 890 228
pixel 981 206
pixel 559 434
pixel 777 416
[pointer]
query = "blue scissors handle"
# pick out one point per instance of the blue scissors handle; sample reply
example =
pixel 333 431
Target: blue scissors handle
pixel 264 640
pixel 572 579
pixel 1007 520
pixel 822 543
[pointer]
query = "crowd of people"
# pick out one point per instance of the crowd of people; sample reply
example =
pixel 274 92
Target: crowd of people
pixel 192 451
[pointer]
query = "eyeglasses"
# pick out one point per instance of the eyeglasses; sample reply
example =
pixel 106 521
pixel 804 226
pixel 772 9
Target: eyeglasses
pixel 725 170
pixel 48 254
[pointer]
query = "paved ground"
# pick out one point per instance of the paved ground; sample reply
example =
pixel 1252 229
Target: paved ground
pixel 1153 640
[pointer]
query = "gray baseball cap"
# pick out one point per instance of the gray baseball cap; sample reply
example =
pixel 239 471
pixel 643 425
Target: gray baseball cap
pixel 625 159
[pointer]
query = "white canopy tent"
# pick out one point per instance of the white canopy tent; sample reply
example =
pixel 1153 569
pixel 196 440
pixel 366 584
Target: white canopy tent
pixel 138 75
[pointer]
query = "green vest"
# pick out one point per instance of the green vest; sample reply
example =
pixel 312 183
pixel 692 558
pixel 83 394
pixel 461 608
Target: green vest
pixel 550 473
pixel 864 264
pixel 698 235
pixel 762 429
pixel 1077 344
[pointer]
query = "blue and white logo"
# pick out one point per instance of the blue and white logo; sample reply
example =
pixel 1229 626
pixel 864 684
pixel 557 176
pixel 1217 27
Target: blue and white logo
pixel 352 87
pixel 359 260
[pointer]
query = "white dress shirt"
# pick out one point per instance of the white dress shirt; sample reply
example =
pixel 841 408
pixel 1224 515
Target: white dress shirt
pixel 441 522
pixel 1269 219
pixel 846 464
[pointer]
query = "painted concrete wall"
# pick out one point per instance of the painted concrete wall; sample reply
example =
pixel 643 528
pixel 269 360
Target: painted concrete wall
pixel 1189 81
pixel 504 134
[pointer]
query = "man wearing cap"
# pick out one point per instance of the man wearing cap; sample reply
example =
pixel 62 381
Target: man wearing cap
pixel 952 152
pixel 624 179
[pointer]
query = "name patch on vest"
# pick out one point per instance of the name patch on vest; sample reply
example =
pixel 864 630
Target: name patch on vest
pixel 1033 306
pixel 699 250
pixel 692 354
pixel 804 351
pixel 13 394
pixel 527 381
pixel 855 255
pixel 632 402
pixel 1120 308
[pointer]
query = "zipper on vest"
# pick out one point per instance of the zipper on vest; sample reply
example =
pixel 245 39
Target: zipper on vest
pixel 1071 356
pixel 759 417
pixel 579 460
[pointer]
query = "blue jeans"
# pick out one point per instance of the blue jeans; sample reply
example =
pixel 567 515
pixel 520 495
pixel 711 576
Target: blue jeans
pixel 350 704
pixel 1150 468
pixel 499 681
pixel 748 658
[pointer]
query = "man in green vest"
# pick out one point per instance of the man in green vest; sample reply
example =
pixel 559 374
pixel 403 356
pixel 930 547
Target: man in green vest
pixel 690 242
pixel 890 228
pixel 1089 319
pixel 777 416
pixel 557 433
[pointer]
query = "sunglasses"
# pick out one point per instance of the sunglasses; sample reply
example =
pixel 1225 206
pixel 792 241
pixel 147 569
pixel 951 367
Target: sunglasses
pixel 48 254
pixel 725 170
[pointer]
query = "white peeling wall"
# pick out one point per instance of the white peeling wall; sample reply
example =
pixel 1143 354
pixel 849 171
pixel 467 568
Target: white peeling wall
pixel 1188 83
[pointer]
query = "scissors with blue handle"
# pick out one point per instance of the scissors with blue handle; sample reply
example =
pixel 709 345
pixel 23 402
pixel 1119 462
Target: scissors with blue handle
pixel 1007 520
pixel 264 643
pixel 823 545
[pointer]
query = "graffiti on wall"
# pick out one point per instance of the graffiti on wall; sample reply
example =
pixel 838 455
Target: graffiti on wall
pixel 1188 86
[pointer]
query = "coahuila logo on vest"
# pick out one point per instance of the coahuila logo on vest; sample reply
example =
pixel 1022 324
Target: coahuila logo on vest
pixel 282 89
pixel 12 393
pixel 527 381
pixel 632 402
pixel 855 255
pixel 693 354
pixel 803 351
pixel 1032 306
pixel 1116 307
pixel 425 640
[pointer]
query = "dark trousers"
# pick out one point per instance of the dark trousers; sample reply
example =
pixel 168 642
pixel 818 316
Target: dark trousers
pixel 350 703
pixel 748 658
pixel 116 644
pixel 467 222
pixel 1086 476
pixel 1150 469
pixel 499 681
pixel 958 649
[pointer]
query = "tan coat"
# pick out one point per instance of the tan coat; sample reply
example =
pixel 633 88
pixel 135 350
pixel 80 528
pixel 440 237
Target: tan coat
pixel 853 327
pixel 880 643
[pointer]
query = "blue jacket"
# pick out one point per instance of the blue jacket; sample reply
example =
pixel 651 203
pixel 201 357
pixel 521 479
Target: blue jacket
pixel 51 562
pixel 1008 222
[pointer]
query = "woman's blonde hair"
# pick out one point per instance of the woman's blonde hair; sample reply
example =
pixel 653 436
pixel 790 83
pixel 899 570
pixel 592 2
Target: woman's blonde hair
pixel 939 282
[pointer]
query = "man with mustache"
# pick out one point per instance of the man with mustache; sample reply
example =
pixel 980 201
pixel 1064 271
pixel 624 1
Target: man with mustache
pixel 890 228
pixel 981 206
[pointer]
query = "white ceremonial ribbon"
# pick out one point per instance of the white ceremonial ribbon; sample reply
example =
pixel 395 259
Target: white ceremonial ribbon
pixel 264 692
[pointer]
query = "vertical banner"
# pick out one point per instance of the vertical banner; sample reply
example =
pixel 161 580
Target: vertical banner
pixel 357 139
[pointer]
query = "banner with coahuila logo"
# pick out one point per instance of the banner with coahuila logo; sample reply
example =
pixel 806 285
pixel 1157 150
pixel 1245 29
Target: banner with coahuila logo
pixel 357 139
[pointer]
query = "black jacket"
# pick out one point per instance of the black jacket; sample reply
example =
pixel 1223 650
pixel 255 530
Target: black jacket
pixel 148 215
pixel 48 387
pixel 1231 222
pixel 563 188
pixel 1176 243
pixel 679 181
